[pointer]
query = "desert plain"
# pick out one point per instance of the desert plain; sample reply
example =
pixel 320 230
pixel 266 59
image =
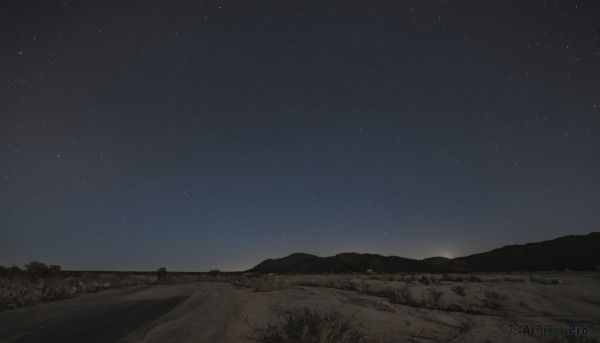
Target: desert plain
pixel 498 307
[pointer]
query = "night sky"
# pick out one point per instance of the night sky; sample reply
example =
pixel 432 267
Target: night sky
pixel 199 135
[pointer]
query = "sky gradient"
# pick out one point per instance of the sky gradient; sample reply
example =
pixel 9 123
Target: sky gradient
pixel 200 135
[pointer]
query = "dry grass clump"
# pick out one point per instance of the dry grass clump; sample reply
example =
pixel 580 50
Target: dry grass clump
pixel 494 300
pixel 460 290
pixel 310 326
pixel 473 278
pixel 514 279
pixel 431 298
pixel 543 281
pixel 257 282
pixel 270 283
pixel 402 296
pixel 176 279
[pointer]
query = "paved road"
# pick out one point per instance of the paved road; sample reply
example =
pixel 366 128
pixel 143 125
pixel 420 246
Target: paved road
pixel 196 312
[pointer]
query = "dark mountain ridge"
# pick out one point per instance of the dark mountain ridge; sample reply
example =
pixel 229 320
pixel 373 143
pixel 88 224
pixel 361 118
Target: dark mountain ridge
pixel 568 252
pixel 286 264
pixel 574 252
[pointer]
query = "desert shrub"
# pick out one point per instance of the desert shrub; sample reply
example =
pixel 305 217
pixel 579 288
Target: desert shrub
pixel 24 291
pixel 458 279
pixel 473 278
pixel 435 294
pixel 460 290
pixel 431 298
pixel 514 279
pixel 543 281
pixel 403 296
pixel 314 283
pixel 214 272
pixel 270 283
pixel 161 273
pixel 13 272
pixel 174 279
pixel 86 276
pixel 494 300
pixel 54 270
pixel 309 326
pixel 362 288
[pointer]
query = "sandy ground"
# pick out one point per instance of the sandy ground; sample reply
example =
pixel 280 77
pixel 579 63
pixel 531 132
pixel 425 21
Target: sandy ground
pixel 221 312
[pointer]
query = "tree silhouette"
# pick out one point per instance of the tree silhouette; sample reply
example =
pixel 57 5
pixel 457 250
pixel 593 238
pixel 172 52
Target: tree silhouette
pixel 161 273
pixel 55 270
pixel 13 271
pixel 37 269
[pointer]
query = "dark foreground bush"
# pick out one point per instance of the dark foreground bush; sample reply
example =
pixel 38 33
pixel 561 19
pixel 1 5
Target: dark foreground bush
pixel 309 326
pixel 403 296
pixel 460 290
pixel 494 300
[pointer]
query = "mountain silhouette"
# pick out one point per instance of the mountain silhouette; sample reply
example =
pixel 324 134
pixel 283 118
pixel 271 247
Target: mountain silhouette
pixel 581 252
pixel 568 252
pixel 288 264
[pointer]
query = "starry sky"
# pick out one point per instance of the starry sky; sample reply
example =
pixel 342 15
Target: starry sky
pixel 215 134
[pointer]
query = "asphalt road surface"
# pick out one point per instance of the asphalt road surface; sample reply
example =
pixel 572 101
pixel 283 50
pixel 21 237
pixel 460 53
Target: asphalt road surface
pixel 197 312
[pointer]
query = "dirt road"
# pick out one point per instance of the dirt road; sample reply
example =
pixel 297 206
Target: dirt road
pixel 196 311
